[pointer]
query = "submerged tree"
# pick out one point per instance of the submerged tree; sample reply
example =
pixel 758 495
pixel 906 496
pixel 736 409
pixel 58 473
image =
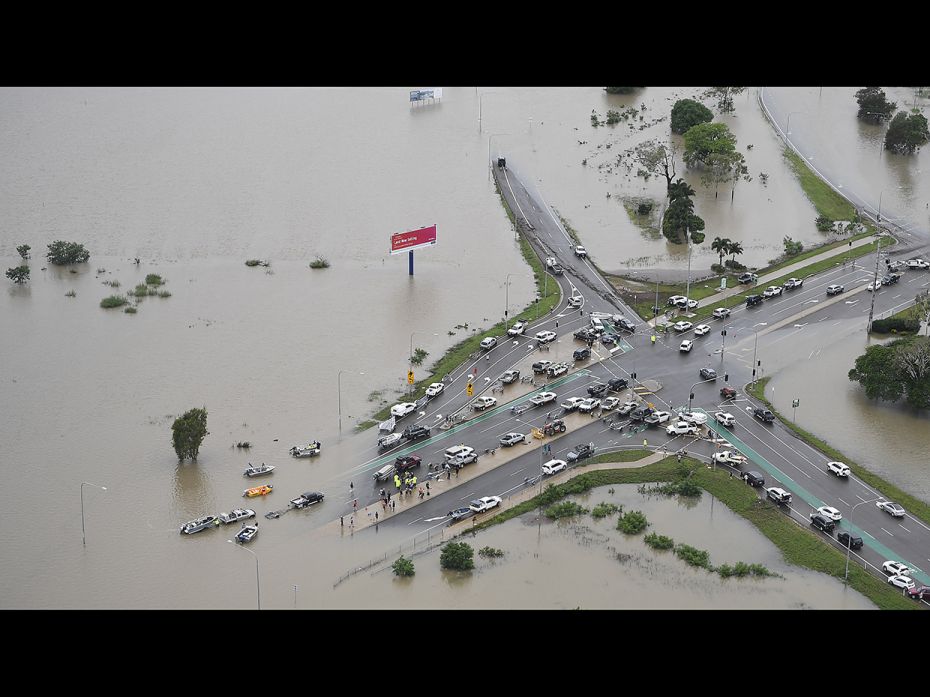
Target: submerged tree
pixel 721 245
pixel 188 432
pixel 873 105
pixel 18 274
pixel 906 133
pixel 687 113
pixel 724 96
pixel 899 369
pixel 61 253
pixel 658 158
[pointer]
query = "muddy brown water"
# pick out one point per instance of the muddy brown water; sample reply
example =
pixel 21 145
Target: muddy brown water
pixel 194 182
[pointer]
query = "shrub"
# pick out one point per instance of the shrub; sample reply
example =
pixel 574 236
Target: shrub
pixel 718 268
pixel 153 279
pixel 188 432
pixel 632 523
pixel 564 510
pixel 490 552
pixel 113 301
pixel 140 291
pixel 61 253
pixel 243 444
pixel 164 294
pixel 319 263
pixel 403 567
pixel 659 541
pixel 613 116
pixel 70 294
pixel 458 556
pixel 823 223
pixel 253 262
pixel 23 250
pixel 113 283
pixel 18 274
pixel 418 356
pixel 741 569
pixel 602 510
pixel 792 248
pixel 130 310
pixel 693 556
pixel 895 325
pixel 645 208
pixel 734 264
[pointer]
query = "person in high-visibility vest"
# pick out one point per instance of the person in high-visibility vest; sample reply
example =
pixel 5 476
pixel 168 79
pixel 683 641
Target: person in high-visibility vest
pixel 414 481
pixel 653 339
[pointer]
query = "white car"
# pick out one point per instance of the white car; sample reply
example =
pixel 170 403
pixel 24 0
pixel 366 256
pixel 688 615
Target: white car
pixel 892 508
pixel 778 495
pixel 830 513
pixel 435 389
pixel 545 337
pixel 609 403
pixel 724 418
pixel 489 343
pixel 485 503
pixel 835 289
pixel 675 299
pixel 872 286
pixel 721 313
pixel 838 468
pixel 658 417
pixel 517 329
pixel 484 403
pixel 792 283
pixel 509 376
pixel 895 568
pixel 686 346
pixel 554 466
pixel 510 439
pixel 693 417
pixel 701 330
pixel 917 264
pixel 543 398
pixel 551 261
pixel 557 369
pixel 902 582
pixel 401 410
pixel 589 405
pixel 575 301
pixel 580 251
pixel 772 291
pixel 572 403
pixel 730 457
pixel 681 428
pixel 682 326
pixel 685 303
pixel 627 408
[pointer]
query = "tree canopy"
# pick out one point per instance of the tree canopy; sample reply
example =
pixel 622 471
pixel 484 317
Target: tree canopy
pixel 656 157
pixel 712 148
pixel 188 432
pixel 458 556
pixel 680 219
pixel 873 105
pixel 18 274
pixel 906 133
pixel 619 90
pixel 60 253
pixel 724 96
pixel 895 370
pixel 687 113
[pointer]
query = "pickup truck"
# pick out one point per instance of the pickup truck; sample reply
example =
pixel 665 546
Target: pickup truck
pixel 572 403
pixel 510 376
pixel 681 428
pixel 543 398
pixel 483 403
pixel 413 432
pixel 730 457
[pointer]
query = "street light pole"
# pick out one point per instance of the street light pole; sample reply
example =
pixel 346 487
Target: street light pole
pixel 878 256
pixel 755 345
pixel 507 298
pixel 83 484
pixel 691 392
pixel 339 384
pixel 688 287
pixel 258 582
pixel 849 539
pixel 788 125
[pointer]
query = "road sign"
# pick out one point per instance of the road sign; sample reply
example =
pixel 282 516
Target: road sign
pixel 796 403
pixel 410 376
pixel 469 389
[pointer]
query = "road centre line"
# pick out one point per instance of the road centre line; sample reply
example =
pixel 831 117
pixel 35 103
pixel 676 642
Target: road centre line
pixel 890 533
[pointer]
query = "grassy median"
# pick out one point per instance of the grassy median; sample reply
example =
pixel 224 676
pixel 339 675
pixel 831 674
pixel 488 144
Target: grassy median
pixel 825 199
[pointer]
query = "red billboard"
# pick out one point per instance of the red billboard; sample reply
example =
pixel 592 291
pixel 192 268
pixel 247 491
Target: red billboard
pixel 406 241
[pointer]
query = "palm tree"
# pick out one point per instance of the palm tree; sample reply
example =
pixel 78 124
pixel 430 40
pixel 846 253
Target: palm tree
pixel 678 189
pixel 735 248
pixel 721 245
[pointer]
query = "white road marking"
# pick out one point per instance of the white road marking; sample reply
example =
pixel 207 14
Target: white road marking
pixel 841 501
pixel 903 528
pixel 890 533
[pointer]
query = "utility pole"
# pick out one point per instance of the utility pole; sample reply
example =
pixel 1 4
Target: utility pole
pixel 878 256
pixel 688 287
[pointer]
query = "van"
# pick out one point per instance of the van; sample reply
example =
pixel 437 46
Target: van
pixel 597 325
pixel 384 473
pixel 456 450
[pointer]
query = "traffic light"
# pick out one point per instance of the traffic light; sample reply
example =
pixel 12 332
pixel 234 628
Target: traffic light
pixel 726 378
pixel 691 396
pixel 410 376
pixel 723 333
pixel 469 389
pixel 632 376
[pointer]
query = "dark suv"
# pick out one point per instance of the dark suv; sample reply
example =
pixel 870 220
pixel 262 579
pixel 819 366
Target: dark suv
pixel 407 462
pixel 823 524
pixel 641 413
pixel 753 300
pixel 581 354
pixel 754 479
pixel 919 593
pixel 763 415
pixel 617 384
pixel 847 540
pixel 597 389
pixel 413 432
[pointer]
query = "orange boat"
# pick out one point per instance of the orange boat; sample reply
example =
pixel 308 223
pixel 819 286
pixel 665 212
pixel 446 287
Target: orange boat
pixel 258 490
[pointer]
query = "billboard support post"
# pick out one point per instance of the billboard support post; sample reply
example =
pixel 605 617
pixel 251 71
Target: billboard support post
pixel 411 262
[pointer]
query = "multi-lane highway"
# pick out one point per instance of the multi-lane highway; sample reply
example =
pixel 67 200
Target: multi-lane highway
pixel 793 323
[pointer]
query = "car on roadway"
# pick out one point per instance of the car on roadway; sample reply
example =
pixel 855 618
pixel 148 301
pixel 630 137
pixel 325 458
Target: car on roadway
pixel 772 291
pixel 778 495
pixel 435 389
pixel 580 251
pixel 457 450
pixel 895 568
pixel 730 457
pixel 890 279
pixel 609 403
pixel 551 261
pixel 459 513
pixel 754 479
pixel 541 366
pixel 686 346
pixel 680 428
pixel 572 403
pixel 581 354
pixel 793 283
pixel 640 413
pixel 657 417
pixel 485 503
pixel 873 286
pixel 575 301
pixel 675 299
pixel 401 410
pixel 725 418
pixel 847 540
pixel 701 330
pixel 682 326
pixel 752 300
pixel 407 462
pixel 617 384
pixel 597 389
pixel 625 324
pixel 919 593
pixel 748 277
pixel 510 376
pixel 721 313
pixel 917 263
pixel 693 417
pixel 627 408
pixel 488 344
pixel 831 513
pixel 835 289
pixel 589 405
pixel 580 452
pixel 543 398
pixel 684 303
pixel 557 369
pixel 823 524
pixel 414 432
pixel 609 339
pixel 511 439
pixel 838 468
pixel 763 415
pixel 545 337
pixel 708 374
pixel 483 403
pixel 585 334
pixel 463 458
pixel 554 466
pixel 905 582
pixel 728 393
pixel 518 328
pixel 894 509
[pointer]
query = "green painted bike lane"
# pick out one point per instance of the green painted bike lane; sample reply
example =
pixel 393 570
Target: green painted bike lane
pixel 812 500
